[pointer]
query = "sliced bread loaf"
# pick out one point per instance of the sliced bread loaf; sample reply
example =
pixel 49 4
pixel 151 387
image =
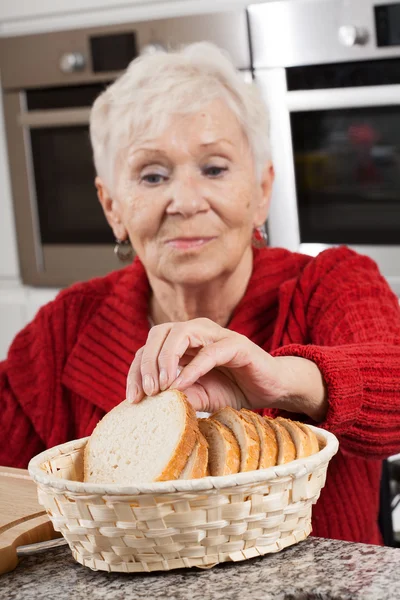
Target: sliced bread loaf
pixel 300 439
pixel 223 449
pixel 245 434
pixel 286 448
pixel 141 443
pixel 313 440
pixel 267 438
pixel 197 463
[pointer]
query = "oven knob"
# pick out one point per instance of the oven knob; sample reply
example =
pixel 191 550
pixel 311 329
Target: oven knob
pixel 152 48
pixel 350 35
pixel 72 62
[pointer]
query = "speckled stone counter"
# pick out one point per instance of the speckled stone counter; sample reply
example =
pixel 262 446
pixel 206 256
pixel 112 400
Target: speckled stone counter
pixel 314 569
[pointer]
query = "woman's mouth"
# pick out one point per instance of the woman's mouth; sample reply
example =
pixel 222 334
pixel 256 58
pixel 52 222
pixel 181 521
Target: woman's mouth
pixel 189 243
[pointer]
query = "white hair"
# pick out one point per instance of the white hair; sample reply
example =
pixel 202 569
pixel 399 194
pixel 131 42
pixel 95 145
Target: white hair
pixel 156 86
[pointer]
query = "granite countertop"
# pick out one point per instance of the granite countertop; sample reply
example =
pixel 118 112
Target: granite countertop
pixel 314 569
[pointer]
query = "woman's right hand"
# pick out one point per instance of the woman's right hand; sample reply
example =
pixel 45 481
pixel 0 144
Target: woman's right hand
pixel 222 368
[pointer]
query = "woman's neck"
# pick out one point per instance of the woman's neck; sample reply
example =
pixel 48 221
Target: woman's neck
pixel 215 300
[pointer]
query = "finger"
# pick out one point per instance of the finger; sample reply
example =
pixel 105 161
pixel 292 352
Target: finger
pixel 185 360
pixel 214 391
pixel 198 398
pixel 183 340
pixel 222 353
pixel 149 368
pixel 134 389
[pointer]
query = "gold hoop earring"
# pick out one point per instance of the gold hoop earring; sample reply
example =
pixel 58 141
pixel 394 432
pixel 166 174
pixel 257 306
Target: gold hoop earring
pixel 260 237
pixel 123 249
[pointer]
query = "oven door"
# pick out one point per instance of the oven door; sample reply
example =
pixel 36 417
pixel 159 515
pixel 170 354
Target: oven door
pixel 63 235
pixel 337 160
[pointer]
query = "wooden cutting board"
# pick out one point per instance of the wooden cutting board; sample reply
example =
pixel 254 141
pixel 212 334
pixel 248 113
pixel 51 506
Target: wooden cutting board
pixel 22 519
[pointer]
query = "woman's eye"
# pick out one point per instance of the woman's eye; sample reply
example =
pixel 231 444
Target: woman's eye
pixel 153 178
pixel 214 171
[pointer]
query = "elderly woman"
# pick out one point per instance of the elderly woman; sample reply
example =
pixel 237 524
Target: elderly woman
pixel 184 174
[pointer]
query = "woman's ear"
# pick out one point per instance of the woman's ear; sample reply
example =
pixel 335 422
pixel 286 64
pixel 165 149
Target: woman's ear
pixel 111 210
pixel 265 190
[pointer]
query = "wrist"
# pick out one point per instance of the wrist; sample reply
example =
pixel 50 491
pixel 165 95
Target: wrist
pixel 303 387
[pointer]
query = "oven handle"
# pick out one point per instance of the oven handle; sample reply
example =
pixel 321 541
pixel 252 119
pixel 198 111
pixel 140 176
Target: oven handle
pixel 377 95
pixel 64 117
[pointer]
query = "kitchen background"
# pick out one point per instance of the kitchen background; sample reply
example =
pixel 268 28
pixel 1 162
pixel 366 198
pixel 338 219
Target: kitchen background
pixel 18 301
pixel 329 69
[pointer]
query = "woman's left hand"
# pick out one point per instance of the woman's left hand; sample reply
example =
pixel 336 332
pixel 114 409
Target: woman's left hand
pixel 216 367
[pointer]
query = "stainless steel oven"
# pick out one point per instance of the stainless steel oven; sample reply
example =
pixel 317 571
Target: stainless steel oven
pixel 330 71
pixel 49 82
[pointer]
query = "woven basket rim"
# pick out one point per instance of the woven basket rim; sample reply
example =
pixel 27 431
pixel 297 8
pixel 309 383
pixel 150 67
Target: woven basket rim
pixel 294 469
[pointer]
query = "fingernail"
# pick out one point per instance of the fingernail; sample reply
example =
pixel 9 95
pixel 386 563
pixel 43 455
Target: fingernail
pixel 131 392
pixel 163 379
pixel 148 385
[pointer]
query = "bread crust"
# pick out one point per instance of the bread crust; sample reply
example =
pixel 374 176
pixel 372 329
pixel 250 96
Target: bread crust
pixel 313 440
pixel 300 438
pixel 200 466
pixel 187 470
pixel 250 449
pixel 196 464
pixel 231 464
pixel 286 447
pixel 185 445
pixel 268 443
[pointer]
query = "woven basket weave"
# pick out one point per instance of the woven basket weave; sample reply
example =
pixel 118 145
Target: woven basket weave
pixel 184 523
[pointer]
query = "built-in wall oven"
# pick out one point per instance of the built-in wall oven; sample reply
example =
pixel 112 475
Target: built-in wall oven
pixel 49 82
pixel 330 72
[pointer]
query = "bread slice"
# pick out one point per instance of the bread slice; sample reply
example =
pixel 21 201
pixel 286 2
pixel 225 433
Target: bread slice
pixel 246 436
pixel 268 443
pixel 223 449
pixel 299 437
pixel 286 448
pixel 313 440
pixel 197 463
pixel 141 443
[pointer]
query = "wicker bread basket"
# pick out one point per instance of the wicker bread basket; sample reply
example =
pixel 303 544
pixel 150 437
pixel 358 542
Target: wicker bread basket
pixel 184 523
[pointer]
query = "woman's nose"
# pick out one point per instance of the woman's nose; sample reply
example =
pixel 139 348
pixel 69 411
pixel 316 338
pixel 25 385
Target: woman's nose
pixel 186 197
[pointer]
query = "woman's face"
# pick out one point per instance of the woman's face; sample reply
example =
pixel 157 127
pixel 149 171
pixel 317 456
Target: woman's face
pixel 189 199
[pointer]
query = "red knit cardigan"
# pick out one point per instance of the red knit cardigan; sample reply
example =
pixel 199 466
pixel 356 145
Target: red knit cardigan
pixel 69 365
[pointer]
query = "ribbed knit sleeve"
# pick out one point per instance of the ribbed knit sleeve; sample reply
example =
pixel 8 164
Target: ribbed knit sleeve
pixel 350 318
pixel 35 411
